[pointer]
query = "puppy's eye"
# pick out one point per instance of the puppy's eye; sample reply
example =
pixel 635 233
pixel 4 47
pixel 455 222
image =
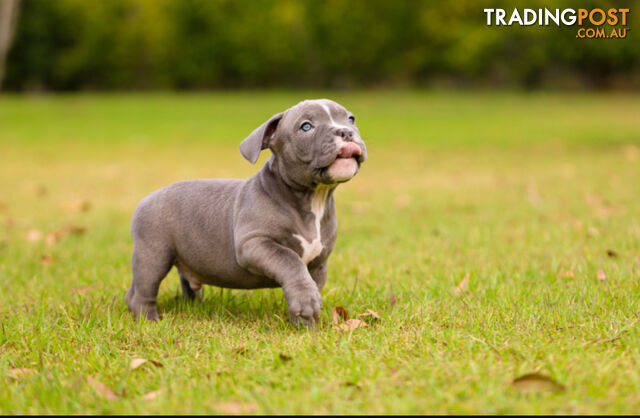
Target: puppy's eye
pixel 306 127
pixel 352 120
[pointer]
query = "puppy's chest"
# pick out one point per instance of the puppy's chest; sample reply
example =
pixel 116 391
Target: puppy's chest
pixel 309 235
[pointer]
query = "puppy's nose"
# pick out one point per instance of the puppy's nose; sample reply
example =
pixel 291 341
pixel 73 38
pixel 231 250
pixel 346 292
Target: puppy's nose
pixel 348 150
pixel 345 133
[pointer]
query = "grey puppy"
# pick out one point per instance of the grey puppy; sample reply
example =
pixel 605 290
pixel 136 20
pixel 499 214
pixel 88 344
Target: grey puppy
pixel 275 229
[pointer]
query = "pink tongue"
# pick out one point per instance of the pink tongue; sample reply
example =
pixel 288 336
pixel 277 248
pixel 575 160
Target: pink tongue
pixel 348 150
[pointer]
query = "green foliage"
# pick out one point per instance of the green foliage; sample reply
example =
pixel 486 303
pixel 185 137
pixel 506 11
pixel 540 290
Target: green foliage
pixel 121 44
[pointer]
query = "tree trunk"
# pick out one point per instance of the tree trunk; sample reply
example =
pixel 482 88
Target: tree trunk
pixel 8 19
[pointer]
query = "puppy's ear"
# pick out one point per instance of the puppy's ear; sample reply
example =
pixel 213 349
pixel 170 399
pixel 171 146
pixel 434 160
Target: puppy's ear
pixel 259 139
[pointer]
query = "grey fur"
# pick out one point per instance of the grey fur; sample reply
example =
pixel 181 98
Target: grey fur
pixel 241 233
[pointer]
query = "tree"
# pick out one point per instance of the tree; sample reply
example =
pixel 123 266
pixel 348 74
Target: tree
pixel 8 19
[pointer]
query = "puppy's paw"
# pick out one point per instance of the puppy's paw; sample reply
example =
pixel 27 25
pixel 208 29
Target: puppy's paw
pixel 304 302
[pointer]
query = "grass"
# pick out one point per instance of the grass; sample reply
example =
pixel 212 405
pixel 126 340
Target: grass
pixel 533 196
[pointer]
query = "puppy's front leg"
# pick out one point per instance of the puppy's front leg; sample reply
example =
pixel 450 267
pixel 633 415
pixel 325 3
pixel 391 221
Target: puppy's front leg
pixel 266 257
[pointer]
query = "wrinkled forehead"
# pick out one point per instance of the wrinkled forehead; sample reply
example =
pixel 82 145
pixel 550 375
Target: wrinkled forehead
pixel 322 110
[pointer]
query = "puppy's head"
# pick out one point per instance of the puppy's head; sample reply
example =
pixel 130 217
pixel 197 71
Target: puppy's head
pixel 314 142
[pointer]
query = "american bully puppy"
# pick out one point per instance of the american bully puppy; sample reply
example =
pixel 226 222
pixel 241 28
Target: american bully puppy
pixel 274 229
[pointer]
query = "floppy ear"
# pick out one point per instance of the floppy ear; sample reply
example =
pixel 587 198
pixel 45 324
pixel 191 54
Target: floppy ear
pixel 259 139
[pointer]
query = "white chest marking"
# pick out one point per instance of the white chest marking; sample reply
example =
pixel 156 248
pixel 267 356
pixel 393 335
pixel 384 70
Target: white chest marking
pixel 312 249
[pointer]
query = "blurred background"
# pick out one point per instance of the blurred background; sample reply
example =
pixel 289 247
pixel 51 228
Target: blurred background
pixel 68 45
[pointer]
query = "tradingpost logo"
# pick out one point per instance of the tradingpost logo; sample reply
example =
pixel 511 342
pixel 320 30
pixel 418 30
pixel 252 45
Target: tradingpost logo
pixel 592 23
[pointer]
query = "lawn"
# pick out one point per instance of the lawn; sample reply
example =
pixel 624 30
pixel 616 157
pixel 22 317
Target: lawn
pixel 495 234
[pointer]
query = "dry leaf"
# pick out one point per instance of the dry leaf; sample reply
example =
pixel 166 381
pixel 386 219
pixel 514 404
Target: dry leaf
pixel 392 299
pixel 536 382
pixel 240 350
pixel 352 324
pixel 137 362
pixel 601 275
pixel 402 201
pixel 462 286
pixel 46 259
pixel 151 395
pixel 284 357
pixel 592 231
pixel 81 290
pixel 567 274
pixel 337 313
pixel 612 254
pixel 235 408
pixel 80 205
pixel 33 235
pixel 103 390
pixel 370 313
pixel 17 373
pixel 601 340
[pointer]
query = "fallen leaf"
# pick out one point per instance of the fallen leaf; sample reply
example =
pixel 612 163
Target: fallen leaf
pixel 151 395
pixel 352 324
pixel 392 299
pixel 601 275
pixel 592 231
pixel 462 286
pixel 536 382
pixel 17 373
pixel 240 350
pixel 101 389
pixel 370 313
pixel 601 340
pixel 76 229
pixel 81 290
pixel 80 205
pixel 402 201
pixel 566 274
pixel 33 235
pixel 137 362
pixel 612 254
pixel 337 313
pixel 284 357
pixel 235 408
pixel 46 259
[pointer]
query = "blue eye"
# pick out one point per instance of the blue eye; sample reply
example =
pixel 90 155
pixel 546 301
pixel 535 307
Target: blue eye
pixel 306 127
pixel 352 120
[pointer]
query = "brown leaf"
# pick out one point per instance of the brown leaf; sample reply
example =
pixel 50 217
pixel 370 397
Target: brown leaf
pixel 101 389
pixel 151 395
pixel 235 408
pixel 371 313
pixel 601 340
pixel 46 259
pixel 17 373
pixel 536 382
pixel 601 275
pixel 284 357
pixel 337 313
pixel 79 205
pixel 612 253
pixel 352 324
pixel 33 235
pixel 462 286
pixel 241 350
pixel 137 362
pixel 392 299
pixel 566 274
pixel 81 290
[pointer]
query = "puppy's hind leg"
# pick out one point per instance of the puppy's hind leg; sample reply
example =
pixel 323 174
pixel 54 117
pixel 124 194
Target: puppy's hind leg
pixel 150 265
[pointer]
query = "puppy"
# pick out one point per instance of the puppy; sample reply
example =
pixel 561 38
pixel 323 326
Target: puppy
pixel 274 229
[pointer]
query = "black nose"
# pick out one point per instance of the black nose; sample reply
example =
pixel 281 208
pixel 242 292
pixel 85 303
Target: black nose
pixel 345 133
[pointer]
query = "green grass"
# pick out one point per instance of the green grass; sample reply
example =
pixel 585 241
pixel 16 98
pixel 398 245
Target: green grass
pixel 524 193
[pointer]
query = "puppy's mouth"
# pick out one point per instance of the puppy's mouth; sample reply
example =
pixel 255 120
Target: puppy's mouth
pixel 346 163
